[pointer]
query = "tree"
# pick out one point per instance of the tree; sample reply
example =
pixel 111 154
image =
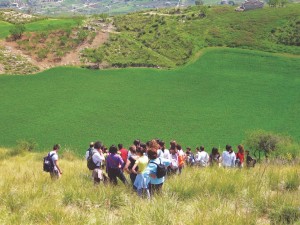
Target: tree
pixel 17 31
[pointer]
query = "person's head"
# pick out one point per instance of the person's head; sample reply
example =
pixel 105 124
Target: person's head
pixel 241 148
pixel 104 149
pixel 143 146
pixel 56 147
pixel 120 146
pixel 91 144
pixel 172 151
pixel 162 145
pixel 132 149
pixel 113 149
pixel 136 142
pixel 247 152
pixel 157 140
pixel 98 145
pixel 152 153
pixel 173 144
pixel 141 150
pixel 214 151
pixel 178 146
pixel 188 149
pixel 153 145
pixel 228 148
pixel 197 149
pixel 201 148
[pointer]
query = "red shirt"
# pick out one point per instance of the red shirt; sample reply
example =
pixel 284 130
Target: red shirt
pixel 124 154
pixel 240 156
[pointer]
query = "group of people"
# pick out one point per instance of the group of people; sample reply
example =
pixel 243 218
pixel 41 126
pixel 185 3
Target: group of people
pixel 148 163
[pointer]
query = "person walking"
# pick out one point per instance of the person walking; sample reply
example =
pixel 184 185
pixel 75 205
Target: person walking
pixel 57 172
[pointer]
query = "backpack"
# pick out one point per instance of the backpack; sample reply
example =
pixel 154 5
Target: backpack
pixel 48 165
pixel 90 162
pixel 161 169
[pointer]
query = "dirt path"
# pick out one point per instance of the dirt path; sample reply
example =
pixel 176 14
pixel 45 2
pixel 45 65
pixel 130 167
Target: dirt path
pixel 73 58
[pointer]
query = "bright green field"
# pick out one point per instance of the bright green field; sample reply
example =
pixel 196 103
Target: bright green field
pixel 4 27
pixel 41 25
pixel 212 101
pixel 44 25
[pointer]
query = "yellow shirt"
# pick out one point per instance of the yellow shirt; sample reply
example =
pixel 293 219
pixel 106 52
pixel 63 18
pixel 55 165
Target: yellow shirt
pixel 142 163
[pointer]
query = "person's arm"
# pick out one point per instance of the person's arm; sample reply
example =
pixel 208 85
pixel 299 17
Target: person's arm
pixel 56 164
pixel 126 166
pixel 134 167
pixel 121 162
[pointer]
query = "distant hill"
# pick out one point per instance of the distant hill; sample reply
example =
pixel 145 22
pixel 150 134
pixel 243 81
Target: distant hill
pixel 163 38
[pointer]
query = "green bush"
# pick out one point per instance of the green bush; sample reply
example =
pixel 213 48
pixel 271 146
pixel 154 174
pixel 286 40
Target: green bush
pixel 271 144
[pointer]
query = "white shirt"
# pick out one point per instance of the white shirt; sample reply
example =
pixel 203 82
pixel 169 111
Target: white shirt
pixel 164 154
pixel 202 158
pixel 228 159
pixel 54 158
pixel 97 158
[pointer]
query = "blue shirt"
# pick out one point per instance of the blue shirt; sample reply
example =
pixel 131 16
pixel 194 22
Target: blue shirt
pixel 152 168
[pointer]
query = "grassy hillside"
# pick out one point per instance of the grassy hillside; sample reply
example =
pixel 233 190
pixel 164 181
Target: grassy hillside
pixel 169 37
pixel 212 102
pixel 263 195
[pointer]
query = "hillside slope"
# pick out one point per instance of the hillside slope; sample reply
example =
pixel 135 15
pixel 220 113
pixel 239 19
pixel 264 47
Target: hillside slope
pixel 161 38
pixel 263 195
pixel 211 102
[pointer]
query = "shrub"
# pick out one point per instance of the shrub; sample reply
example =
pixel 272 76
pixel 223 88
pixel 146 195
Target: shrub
pixel 269 143
pixel 292 181
pixel 286 215
pixel 27 145
pixel 17 31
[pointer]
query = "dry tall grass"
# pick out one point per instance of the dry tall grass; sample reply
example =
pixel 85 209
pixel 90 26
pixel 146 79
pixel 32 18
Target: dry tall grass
pixel 263 195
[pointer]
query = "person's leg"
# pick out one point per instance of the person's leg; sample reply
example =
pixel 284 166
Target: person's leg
pixel 112 176
pixel 122 177
pixel 132 177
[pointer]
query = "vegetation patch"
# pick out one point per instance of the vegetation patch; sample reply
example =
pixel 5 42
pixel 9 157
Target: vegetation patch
pixel 170 37
pixel 15 64
pixel 240 196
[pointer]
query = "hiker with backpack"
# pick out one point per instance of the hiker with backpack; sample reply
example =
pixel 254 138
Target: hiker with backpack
pixel 94 163
pixel 114 164
pixel 141 181
pixel 156 169
pixel 51 163
pixel 89 150
pixel 190 159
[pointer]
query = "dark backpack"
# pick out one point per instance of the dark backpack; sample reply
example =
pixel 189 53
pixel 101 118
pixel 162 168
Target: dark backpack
pixel 161 169
pixel 48 165
pixel 90 162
